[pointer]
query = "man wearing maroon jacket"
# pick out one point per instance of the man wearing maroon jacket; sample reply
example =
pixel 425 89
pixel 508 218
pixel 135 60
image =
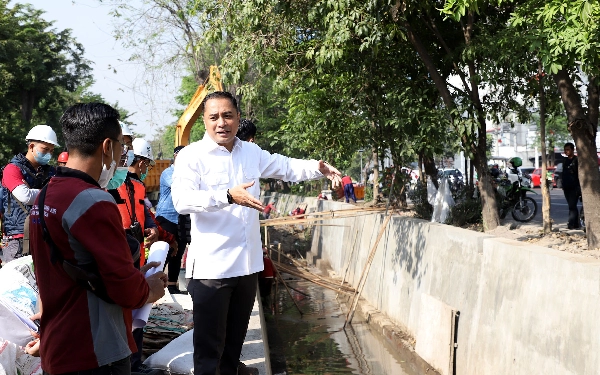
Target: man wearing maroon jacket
pixel 80 332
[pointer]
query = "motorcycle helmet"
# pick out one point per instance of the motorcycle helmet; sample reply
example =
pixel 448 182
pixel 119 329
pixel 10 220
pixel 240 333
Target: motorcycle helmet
pixel 516 162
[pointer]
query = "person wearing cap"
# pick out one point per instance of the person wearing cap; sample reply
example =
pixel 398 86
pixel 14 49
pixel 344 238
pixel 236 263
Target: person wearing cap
pixel 62 159
pixel 168 218
pixel 22 180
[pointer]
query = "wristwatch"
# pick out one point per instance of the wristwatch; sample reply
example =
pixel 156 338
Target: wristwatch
pixel 229 198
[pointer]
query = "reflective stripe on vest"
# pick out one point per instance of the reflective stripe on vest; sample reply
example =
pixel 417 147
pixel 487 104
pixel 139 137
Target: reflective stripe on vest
pixel 139 193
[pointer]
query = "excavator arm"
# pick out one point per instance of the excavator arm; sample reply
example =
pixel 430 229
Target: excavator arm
pixel 192 112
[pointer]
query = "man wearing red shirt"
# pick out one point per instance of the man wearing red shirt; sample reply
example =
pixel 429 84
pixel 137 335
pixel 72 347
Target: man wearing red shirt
pixel 22 179
pixel 267 210
pixel 348 189
pixel 80 332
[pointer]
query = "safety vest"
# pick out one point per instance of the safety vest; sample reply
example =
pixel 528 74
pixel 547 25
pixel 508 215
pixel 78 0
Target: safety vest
pixel 131 207
pixel 14 214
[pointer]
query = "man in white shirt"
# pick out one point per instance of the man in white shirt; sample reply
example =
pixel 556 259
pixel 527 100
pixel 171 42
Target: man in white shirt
pixel 216 182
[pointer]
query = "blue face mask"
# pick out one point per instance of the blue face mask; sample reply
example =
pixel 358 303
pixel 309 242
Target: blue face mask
pixel 42 159
pixel 130 157
pixel 143 176
pixel 118 178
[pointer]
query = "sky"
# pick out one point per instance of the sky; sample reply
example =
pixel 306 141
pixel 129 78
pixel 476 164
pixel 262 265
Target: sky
pixel 92 26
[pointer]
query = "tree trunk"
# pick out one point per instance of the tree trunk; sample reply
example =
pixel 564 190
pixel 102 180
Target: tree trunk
pixel 27 101
pixel 375 174
pixel 431 170
pixel 547 221
pixel 593 100
pixel 584 134
pixel 491 218
pixel 471 173
pixel 489 210
pixel 421 171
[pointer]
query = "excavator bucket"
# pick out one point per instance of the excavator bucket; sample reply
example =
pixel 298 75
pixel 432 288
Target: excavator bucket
pixel 192 112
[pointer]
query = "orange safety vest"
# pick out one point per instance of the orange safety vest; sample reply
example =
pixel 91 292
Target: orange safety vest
pixel 137 213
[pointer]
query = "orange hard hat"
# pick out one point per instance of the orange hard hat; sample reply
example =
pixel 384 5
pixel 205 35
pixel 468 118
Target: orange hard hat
pixel 63 157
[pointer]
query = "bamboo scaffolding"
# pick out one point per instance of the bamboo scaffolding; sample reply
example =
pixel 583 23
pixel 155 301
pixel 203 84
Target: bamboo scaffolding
pixel 306 274
pixel 365 273
pixel 320 282
pixel 283 282
pixel 295 220
pixel 314 215
pixel 347 267
pixel 316 279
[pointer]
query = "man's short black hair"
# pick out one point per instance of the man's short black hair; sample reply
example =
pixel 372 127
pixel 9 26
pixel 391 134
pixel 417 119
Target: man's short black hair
pixel 569 144
pixel 177 149
pixel 86 125
pixel 219 95
pixel 246 130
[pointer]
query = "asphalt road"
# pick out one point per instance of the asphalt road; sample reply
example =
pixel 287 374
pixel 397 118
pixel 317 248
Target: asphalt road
pixel 559 210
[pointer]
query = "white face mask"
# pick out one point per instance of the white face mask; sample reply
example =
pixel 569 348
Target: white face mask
pixel 107 174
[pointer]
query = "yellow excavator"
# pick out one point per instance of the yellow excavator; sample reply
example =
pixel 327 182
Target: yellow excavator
pixel 184 126
pixel 192 112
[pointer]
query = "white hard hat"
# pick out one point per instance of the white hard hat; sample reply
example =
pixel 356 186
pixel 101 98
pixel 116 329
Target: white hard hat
pixel 125 129
pixel 141 147
pixel 42 133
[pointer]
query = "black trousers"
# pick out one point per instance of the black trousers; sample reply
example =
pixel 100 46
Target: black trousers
pixel 121 367
pixel 136 358
pixel 174 262
pixel 572 196
pixel 222 309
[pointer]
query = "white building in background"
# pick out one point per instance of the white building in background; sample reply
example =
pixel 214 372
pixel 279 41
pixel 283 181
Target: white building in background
pixel 515 139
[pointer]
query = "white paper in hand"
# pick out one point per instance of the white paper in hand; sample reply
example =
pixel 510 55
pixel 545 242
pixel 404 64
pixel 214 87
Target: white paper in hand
pixel 158 253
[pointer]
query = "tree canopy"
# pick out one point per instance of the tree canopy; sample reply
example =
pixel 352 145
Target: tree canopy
pixel 41 71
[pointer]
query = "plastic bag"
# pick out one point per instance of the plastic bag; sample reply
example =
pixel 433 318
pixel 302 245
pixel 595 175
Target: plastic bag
pixel 443 202
pixel 431 192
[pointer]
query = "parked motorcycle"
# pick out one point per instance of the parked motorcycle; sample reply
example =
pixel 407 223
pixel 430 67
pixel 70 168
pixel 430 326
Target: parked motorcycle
pixel 513 197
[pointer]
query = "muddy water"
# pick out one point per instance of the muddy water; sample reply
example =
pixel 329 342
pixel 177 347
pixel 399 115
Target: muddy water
pixel 315 343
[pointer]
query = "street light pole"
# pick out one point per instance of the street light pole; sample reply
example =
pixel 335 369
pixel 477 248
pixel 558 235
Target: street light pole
pixel 362 180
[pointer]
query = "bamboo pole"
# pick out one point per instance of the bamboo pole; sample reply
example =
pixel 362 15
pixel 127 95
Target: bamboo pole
pixel 266 239
pixel 347 267
pixel 323 284
pixel 294 220
pixel 284 284
pixel 365 273
pixel 332 213
pixel 303 272
pixel 309 276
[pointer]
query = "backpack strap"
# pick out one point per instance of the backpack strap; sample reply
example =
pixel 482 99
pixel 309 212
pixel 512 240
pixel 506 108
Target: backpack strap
pixel 86 276
pixel 55 254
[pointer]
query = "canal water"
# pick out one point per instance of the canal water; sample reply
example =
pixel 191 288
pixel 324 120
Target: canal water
pixel 315 342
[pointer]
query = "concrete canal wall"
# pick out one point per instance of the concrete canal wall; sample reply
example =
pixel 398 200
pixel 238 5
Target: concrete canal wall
pixel 524 309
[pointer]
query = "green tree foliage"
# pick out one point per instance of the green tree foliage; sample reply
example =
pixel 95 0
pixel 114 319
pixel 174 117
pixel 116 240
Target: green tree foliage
pixel 40 70
pixel 564 35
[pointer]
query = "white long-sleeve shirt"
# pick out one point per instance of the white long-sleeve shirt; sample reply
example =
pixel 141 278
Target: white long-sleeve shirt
pixel 226 238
